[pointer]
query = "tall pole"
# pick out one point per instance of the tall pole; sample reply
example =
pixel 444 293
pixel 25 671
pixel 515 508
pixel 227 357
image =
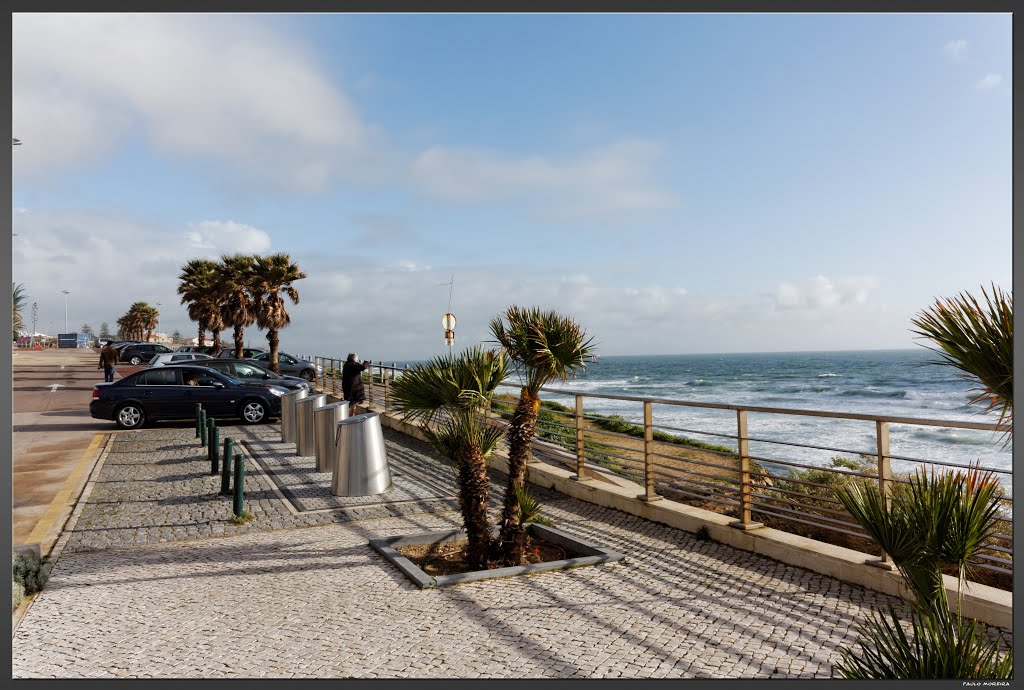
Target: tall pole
pixel 66 293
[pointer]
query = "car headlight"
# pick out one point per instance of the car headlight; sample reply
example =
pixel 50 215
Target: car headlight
pixel 276 391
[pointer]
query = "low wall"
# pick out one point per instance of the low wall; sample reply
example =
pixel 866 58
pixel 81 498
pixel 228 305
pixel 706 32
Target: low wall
pixel 981 602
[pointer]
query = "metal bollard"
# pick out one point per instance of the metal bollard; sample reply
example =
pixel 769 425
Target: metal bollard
pixel 225 477
pixel 238 506
pixel 199 410
pixel 214 447
pixel 305 439
pixel 288 401
pixel 202 427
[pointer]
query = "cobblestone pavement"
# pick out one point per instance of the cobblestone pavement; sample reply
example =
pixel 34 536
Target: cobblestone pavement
pixel 319 602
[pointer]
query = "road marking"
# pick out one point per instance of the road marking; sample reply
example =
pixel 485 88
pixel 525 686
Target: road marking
pixel 53 511
pixel 54 387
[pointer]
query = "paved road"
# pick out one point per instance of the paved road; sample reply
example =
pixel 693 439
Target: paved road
pixel 55 441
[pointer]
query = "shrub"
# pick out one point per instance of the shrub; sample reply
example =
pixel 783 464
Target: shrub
pixel 31 572
pixel 17 594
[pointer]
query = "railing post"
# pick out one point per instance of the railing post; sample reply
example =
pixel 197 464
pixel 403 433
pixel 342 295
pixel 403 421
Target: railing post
pixel 384 376
pixel 884 481
pixel 580 455
pixel 649 494
pixel 743 450
pixel 334 377
pixel 369 404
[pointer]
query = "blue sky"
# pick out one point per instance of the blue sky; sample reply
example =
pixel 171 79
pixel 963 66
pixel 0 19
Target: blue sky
pixel 677 183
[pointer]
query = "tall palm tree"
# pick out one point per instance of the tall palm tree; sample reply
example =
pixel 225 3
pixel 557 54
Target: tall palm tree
pixel 542 346
pixel 979 342
pixel 198 287
pixel 237 304
pixel 446 395
pixel 944 517
pixel 272 281
pixel 19 300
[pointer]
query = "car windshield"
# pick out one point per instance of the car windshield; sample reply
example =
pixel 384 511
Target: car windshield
pixel 249 370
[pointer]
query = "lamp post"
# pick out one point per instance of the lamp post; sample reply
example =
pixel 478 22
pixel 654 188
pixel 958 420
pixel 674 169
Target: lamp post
pixel 66 293
pixel 158 319
pixel 448 322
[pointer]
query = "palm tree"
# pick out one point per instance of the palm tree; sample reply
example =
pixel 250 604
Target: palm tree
pixel 979 342
pixel 198 287
pixel 237 304
pixel 542 346
pixel 19 299
pixel 445 395
pixel 272 276
pixel 944 517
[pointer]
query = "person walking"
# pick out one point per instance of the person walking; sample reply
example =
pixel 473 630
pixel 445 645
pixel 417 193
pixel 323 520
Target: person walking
pixel 108 359
pixel 352 380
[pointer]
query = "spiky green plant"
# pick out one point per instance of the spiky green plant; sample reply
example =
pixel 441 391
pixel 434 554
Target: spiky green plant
pixel 445 396
pixel 19 298
pixel 979 342
pixel 542 346
pixel 935 518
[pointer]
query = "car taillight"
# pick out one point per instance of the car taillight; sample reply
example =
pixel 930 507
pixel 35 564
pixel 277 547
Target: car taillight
pixel 95 393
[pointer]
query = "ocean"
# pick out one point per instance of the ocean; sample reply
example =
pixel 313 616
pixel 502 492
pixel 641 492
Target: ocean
pixel 892 382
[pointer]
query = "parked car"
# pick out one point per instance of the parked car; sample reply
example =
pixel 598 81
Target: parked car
pixel 247 371
pixel 247 352
pixel 205 349
pixel 166 358
pixel 137 353
pixel 171 392
pixel 290 365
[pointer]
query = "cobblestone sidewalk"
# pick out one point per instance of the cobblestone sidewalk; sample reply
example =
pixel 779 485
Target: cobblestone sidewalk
pixel 319 602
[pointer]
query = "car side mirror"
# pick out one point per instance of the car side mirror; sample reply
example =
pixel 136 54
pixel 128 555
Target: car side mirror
pixel 218 384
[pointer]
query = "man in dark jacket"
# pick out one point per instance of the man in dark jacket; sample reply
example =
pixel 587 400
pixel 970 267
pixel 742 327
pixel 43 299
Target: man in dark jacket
pixel 108 358
pixel 352 380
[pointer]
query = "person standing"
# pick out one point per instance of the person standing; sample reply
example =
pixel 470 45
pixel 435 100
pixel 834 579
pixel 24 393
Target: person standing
pixel 352 380
pixel 108 359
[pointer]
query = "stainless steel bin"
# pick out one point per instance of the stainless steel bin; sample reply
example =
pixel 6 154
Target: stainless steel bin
pixel 288 401
pixel 325 421
pixel 362 461
pixel 305 441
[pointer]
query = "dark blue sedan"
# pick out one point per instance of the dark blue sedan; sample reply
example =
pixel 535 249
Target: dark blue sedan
pixel 165 393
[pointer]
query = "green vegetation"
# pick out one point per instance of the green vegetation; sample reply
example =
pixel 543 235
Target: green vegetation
pixel 19 298
pixel 139 321
pixel 245 517
pixel 17 594
pixel 619 425
pixel 30 572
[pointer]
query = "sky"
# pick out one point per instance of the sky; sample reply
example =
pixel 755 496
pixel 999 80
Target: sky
pixel 677 183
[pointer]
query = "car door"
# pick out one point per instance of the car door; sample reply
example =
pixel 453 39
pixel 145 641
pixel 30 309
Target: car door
pixel 160 393
pixel 218 397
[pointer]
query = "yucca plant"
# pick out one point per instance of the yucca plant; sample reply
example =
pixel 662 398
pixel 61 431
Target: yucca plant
pixel 445 396
pixel 543 346
pixel 933 519
pixel 979 342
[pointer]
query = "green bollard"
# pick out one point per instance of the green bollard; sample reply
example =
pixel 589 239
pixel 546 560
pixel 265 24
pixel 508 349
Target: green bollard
pixel 199 414
pixel 225 477
pixel 202 427
pixel 238 507
pixel 214 447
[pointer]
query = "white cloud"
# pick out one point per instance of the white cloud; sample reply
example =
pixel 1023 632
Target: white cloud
pixel 614 179
pixel 823 294
pixel 227 237
pixel 989 81
pixel 200 87
pixel 956 50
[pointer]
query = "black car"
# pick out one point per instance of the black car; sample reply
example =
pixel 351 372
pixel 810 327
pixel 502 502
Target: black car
pixel 205 349
pixel 247 371
pixel 287 364
pixel 137 353
pixel 172 393
pixel 247 352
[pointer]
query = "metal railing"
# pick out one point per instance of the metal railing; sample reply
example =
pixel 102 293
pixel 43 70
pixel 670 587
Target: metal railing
pixel 757 479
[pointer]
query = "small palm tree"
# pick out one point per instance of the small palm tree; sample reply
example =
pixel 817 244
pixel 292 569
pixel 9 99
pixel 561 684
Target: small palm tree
pixel 19 299
pixel 944 517
pixel 237 304
pixel 273 276
pixel 979 342
pixel 445 395
pixel 198 287
pixel 543 346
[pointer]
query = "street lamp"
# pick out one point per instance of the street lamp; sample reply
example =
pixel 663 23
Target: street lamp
pixel 66 293
pixel 158 317
pixel 448 322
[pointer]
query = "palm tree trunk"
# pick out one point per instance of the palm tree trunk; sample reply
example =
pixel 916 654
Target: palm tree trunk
pixel 217 342
pixel 272 338
pixel 202 334
pixel 239 341
pixel 522 429
pixel 473 496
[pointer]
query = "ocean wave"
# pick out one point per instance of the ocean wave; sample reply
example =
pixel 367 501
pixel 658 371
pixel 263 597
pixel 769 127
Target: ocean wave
pixel 700 382
pixel 868 393
pixel 955 436
pixel 829 375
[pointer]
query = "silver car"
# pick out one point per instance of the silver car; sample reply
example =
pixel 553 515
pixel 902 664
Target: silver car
pixel 288 364
pixel 177 358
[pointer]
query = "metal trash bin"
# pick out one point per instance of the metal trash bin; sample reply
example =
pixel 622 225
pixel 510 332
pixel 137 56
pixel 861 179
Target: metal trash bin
pixel 362 461
pixel 325 421
pixel 305 441
pixel 288 401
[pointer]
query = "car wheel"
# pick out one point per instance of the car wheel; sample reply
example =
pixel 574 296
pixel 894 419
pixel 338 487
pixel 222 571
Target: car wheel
pixel 308 374
pixel 253 411
pixel 130 416
pixel 135 360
